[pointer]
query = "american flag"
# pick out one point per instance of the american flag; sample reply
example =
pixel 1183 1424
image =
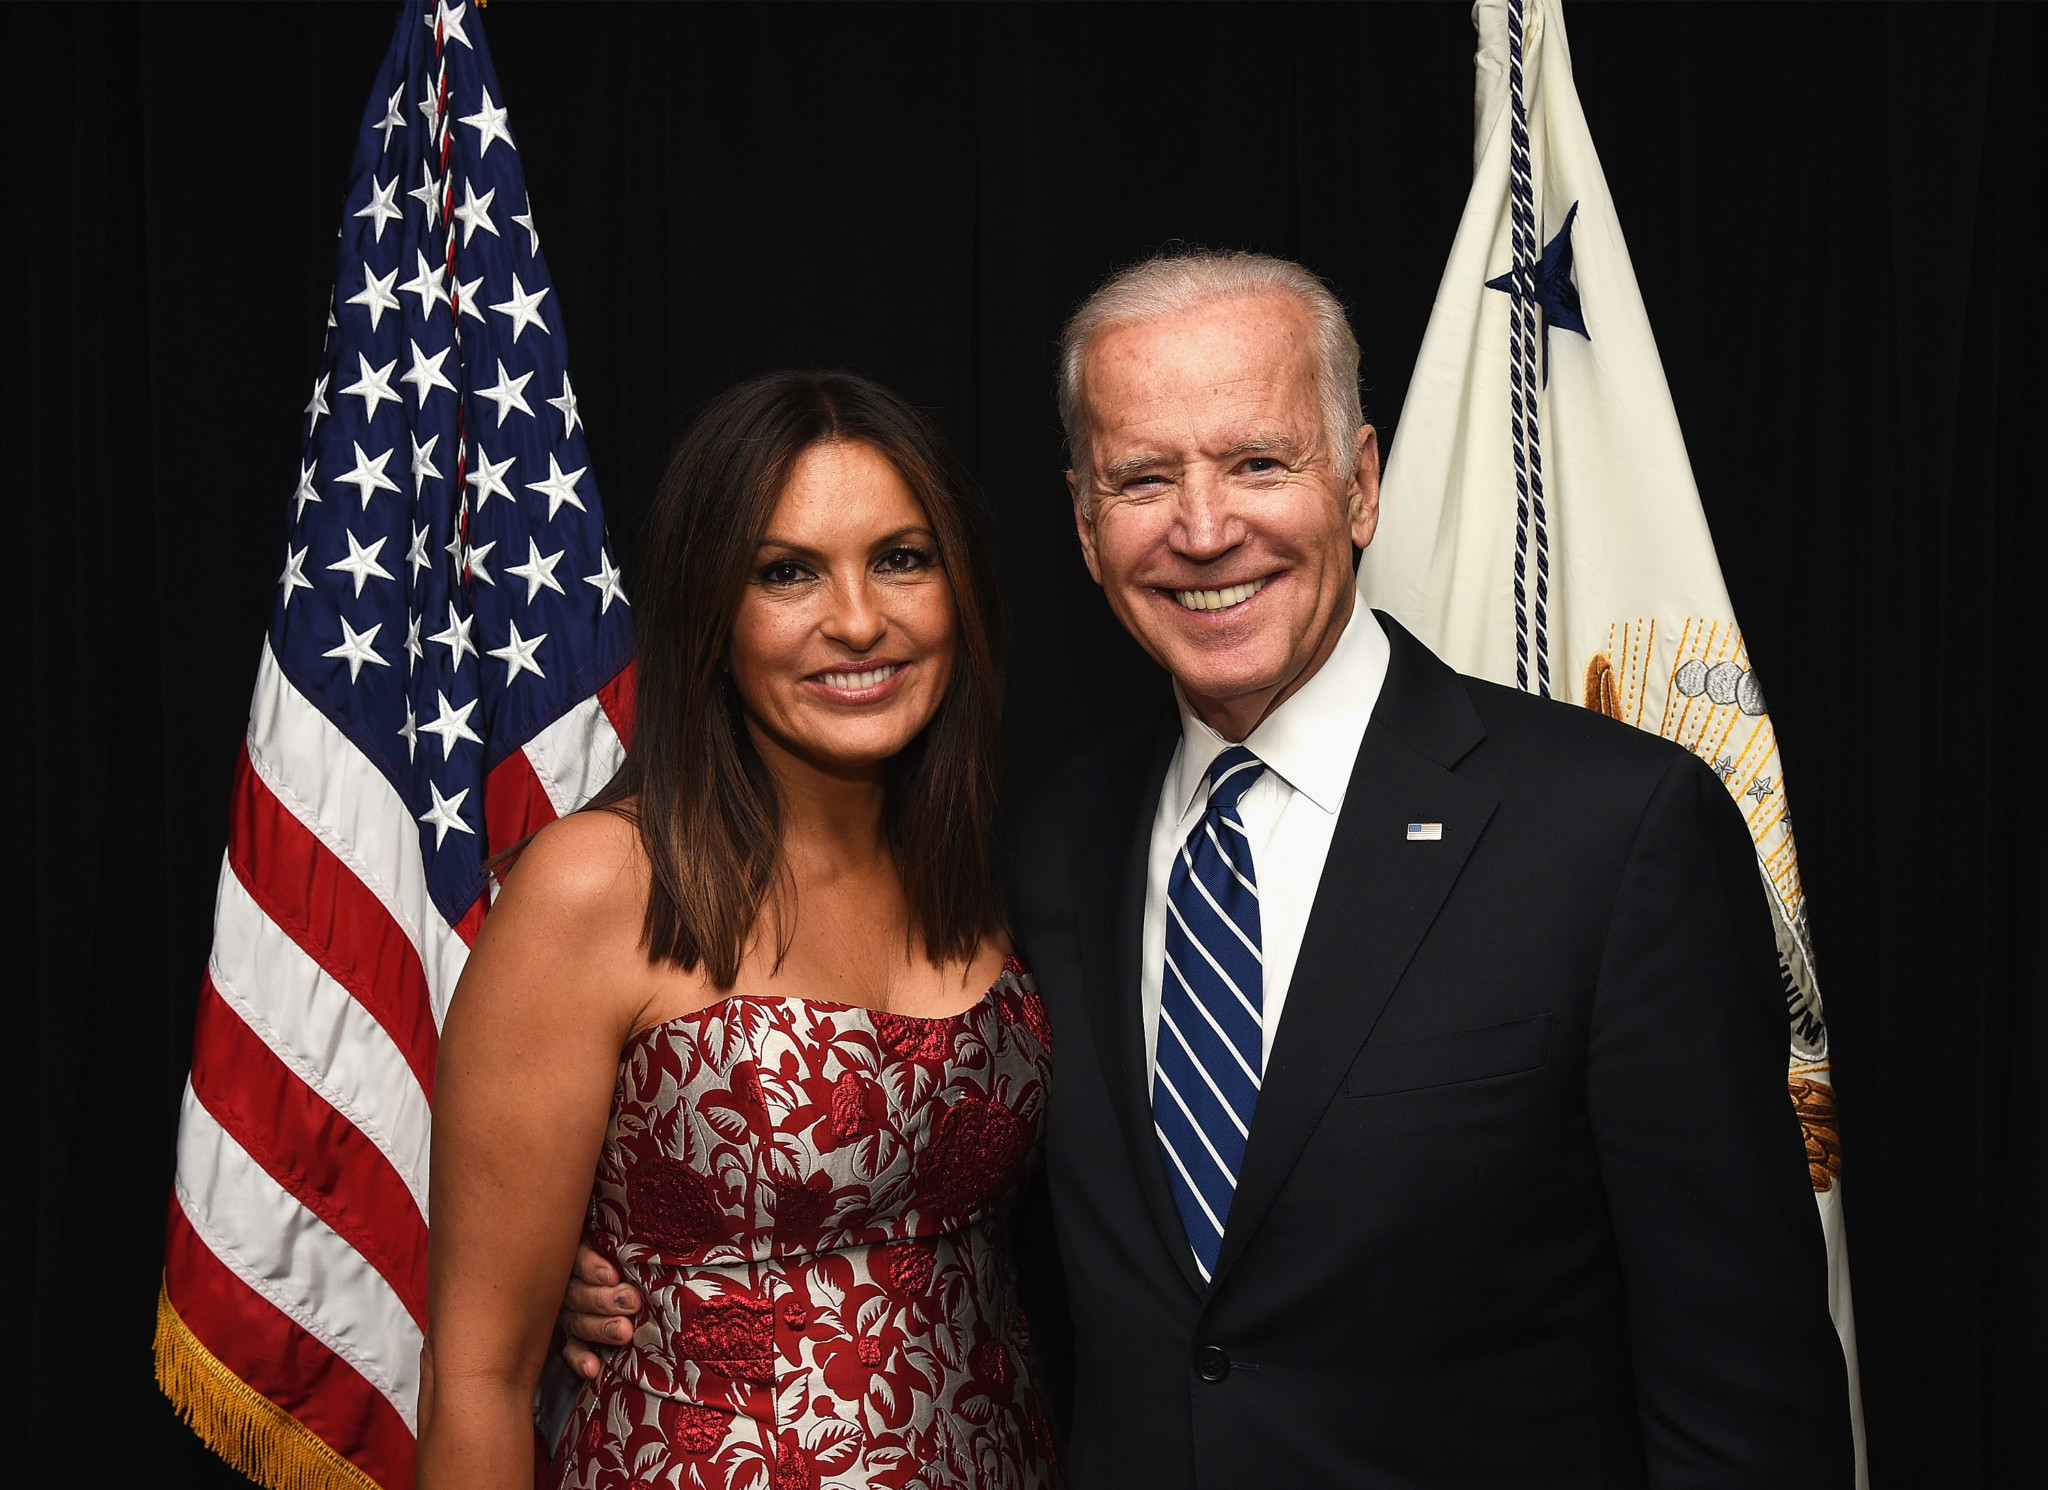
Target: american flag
pixel 448 667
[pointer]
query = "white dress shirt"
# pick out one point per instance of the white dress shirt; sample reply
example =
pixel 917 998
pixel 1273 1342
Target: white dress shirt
pixel 1309 745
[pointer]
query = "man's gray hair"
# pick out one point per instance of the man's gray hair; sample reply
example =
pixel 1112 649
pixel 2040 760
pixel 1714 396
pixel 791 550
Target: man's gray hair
pixel 1179 281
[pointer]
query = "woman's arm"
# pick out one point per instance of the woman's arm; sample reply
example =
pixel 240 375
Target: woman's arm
pixel 529 1059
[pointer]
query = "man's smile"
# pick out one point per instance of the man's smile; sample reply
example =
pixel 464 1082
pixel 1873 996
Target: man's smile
pixel 1226 598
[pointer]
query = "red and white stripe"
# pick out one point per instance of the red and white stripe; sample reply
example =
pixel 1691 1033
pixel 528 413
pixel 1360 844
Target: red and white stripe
pixel 298 1228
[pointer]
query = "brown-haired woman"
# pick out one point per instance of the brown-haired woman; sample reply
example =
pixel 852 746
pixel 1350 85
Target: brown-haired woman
pixel 762 992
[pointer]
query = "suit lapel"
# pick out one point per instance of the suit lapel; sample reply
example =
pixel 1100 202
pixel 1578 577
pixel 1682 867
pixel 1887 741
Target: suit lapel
pixel 1108 849
pixel 1378 895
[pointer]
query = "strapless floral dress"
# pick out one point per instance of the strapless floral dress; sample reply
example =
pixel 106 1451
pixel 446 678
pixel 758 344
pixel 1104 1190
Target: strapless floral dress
pixel 813 1198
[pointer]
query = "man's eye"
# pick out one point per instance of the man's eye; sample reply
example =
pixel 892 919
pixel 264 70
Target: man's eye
pixel 904 561
pixel 781 572
pixel 1262 465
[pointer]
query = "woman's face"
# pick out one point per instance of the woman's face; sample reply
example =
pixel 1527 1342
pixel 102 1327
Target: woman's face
pixel 844 640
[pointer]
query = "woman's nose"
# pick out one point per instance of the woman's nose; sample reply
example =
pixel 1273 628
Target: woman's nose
pixel 855 622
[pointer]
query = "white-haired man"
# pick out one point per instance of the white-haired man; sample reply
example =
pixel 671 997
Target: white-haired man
pixel 1418 1114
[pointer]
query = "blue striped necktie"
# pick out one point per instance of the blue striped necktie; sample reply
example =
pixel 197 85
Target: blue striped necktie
pixel 1209 1053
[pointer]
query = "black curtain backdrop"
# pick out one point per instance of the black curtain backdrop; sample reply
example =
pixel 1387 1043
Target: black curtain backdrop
pixel 1832 213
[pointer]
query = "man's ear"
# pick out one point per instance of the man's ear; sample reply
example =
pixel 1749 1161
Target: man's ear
pixel 1363 491
pixel 1084 526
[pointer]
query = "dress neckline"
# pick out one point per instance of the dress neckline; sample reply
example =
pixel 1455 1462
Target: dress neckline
pixel 1011 967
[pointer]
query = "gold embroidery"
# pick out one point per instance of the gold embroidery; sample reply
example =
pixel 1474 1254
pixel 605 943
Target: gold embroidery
pixel 1601 695
pixel 1814 1101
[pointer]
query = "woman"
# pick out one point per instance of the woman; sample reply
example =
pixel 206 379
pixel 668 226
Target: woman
pixel 761 990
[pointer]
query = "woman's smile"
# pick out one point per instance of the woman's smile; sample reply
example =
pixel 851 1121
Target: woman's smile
pixel 868 682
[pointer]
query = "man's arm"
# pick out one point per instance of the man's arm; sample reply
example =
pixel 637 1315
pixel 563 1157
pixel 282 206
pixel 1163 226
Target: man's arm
pixel 1738 1371
pixel 1031 853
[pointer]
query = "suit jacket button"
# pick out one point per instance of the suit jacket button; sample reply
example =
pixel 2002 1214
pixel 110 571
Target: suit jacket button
pixel 1212 1363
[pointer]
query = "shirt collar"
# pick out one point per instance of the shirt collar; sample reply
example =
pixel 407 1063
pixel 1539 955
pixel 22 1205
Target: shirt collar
pixel 1311 740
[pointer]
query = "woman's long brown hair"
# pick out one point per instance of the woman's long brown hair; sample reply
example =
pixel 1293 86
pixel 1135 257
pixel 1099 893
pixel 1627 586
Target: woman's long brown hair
pixel 693 784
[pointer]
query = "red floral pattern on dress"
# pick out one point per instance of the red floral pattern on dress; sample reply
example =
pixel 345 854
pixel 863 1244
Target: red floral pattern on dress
pixel 793 1467
pixel 809 1195
pixel 974 1146
pixel 674 1207
pixel 799 1208
pixel 1027 1009
pixel 910 1267
pixel 990 1363
pixel 853 1107
pixel 689 1426
pixel 910 1038
pixel 733 1334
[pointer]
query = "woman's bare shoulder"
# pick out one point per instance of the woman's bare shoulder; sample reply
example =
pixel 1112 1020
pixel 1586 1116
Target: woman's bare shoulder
pixel 990 958
pixel 558 956
pixel 585 868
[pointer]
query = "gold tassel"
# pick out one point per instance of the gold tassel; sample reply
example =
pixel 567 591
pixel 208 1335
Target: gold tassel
pixel 247 1429
pixel 1602 697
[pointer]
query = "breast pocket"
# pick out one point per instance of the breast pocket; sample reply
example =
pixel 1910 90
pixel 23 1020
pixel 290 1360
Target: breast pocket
pixel 1443 1060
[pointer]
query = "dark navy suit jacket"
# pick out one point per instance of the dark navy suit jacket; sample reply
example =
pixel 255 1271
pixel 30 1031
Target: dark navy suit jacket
pixel 1524 1203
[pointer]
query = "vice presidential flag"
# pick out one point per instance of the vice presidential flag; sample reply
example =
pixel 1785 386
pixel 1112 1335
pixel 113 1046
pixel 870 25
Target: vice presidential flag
pixel 447 668
pixel 1540 526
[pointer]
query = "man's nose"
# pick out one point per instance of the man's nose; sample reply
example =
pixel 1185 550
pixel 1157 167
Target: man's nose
pixel 856 622
pixel 1206 529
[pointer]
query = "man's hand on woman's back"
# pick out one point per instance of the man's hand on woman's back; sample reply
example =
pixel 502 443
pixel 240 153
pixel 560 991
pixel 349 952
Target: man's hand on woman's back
pixel 597 1309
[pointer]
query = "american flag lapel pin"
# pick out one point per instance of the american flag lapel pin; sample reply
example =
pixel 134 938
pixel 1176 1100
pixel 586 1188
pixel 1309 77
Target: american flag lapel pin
pixel 1425 832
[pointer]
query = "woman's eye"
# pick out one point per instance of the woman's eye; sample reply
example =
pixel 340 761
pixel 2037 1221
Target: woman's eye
pixel 904 561
pixel 781 572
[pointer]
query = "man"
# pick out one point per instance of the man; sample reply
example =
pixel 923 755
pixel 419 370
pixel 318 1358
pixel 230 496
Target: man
pixel 1418 1110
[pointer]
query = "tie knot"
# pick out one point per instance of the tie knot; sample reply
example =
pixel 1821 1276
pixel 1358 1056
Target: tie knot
pixel 1231 775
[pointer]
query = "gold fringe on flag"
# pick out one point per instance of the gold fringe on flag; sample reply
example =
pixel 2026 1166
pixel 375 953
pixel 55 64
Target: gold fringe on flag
pixel 247 1429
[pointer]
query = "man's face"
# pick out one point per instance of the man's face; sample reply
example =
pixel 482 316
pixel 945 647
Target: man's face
pixel 1214 516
